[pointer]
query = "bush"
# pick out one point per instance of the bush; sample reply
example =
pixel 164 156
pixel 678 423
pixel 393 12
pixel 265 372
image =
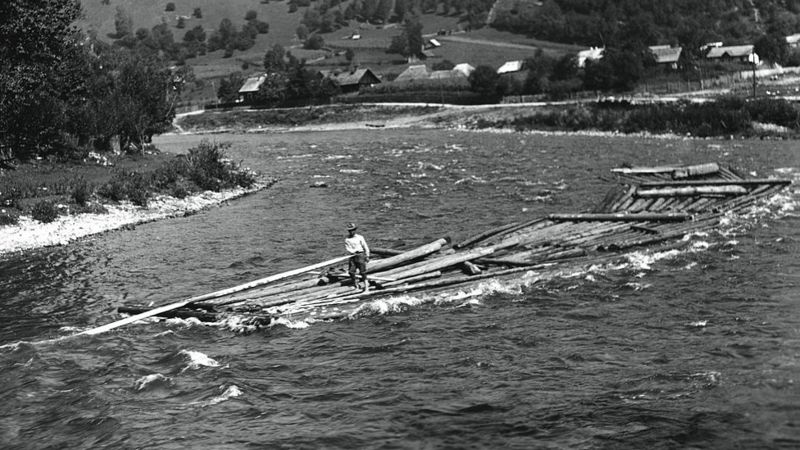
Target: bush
pixel 250 15
pixel 198 13
pixel 132 186
pixel 314 42
pixel 81 192
pixel 6 218
pixel 210 170
pixel 170 7
pixel 44 211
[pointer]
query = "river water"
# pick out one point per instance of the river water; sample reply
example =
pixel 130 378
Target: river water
pixel 691 349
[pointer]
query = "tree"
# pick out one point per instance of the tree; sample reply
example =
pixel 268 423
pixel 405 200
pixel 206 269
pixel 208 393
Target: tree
pixel 618 70
pixel 314 42
pixel 228 91
pixel 484 79
pixel 197 13
pixel 274 59
pixel 250 15
pixel 302 32
pixel 772 48
pixel 409 42
pixel 123 23
pixel 170 7
pixel 181 23
pixel 39 54
pixel 349 55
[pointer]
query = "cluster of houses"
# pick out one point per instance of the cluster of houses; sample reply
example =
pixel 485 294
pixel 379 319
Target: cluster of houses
pixel 664 55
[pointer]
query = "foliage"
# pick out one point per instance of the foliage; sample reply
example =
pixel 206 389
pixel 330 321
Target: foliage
pixel 8 218
pixel 314 42
pixel 81 192
pixel 197 13
pixel 618 70
pixel 409 42
pixel 228 90
pixel 484 79
pixel 170 7
pixel 37 74
pixel 44 211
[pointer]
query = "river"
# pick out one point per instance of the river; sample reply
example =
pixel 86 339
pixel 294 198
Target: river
pixel 698 348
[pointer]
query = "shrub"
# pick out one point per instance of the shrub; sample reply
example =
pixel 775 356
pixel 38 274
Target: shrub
pixel 6 218
pixel 81 192
pixel 44 211
pixel 314 42
pixel 250 15
pixel 170 7
pixel 198 13
pixel 132 186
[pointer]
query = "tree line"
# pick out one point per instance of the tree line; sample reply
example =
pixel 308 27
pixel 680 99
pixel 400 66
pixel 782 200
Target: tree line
pixel 63 92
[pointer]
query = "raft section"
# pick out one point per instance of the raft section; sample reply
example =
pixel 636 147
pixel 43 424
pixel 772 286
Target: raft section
pixel 649 207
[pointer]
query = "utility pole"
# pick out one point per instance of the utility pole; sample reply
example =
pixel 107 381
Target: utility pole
pixel 754 75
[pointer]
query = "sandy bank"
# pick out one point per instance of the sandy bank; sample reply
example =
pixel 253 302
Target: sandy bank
pixel 29 234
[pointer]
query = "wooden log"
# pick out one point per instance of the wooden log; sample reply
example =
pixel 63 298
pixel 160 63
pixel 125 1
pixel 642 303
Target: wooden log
pixel 180 313
pixel 484 235
pixel 470 268
pixel 696 170
pixel 405 257
pixel 643 217
pixel 625 197
pixel 437 263
pixel 745 182
pixel 216 294
pixel 688 191
pixel 380 251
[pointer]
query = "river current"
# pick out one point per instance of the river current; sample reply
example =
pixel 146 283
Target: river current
pixel 692 349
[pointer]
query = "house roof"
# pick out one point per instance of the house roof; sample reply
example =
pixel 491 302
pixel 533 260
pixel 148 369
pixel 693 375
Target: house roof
pixel 793 39
pixel 733 51
pixel 664 54
pixel 351 77
pixel 590 54
pixel 252 84
pixel 445 74
pixel 510 66
pixel 417 72
pixel 435 43
pixel 464 68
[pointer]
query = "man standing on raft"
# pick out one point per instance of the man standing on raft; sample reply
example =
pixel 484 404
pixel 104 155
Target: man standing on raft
pixel 357 246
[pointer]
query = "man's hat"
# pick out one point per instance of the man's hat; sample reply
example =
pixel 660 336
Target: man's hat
pixel 351 226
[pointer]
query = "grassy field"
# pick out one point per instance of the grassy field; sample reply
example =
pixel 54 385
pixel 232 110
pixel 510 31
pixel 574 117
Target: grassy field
pixel 487 46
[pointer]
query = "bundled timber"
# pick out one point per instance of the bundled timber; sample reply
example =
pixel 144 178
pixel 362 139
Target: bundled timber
pixel 652 207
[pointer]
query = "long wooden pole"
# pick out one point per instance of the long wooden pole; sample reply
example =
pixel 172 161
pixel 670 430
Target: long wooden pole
pixel 199 298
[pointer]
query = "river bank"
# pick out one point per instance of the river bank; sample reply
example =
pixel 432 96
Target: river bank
pixel 30 234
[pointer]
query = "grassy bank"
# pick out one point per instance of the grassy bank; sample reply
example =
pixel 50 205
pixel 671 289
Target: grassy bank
pixel 725 117
pixel 46 190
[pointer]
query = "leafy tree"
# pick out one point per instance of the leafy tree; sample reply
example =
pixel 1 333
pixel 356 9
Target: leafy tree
pixel 772 48
pixel 484 79
pixel 170 7
pixel 123 23
pixel 314 42
pixel 181 23
pixel 349 55
pixel 38 56
pixel 250 15
pixel 274 59
pixel 197 13
pixel 409 42
pixel 302 32
pixel 618 70
pixel 228 91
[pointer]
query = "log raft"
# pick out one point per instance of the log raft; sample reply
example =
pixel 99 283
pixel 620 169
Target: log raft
pixel 649 207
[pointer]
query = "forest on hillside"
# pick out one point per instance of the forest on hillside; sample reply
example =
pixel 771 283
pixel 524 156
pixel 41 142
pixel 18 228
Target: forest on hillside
pixel 689 23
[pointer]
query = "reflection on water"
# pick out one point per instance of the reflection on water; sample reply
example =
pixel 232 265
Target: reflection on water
pixel 697 348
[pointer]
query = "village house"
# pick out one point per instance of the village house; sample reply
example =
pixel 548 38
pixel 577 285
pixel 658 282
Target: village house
pixel 590 54
pixel 249 89
pixel 666 55
pixel 415 72
pixel 793 40
pixel 511 67
pixel 740 53
pixel 352 80
pixel 464 68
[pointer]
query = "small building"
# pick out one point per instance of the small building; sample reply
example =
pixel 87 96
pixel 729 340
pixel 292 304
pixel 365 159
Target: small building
pixel 353 80
pixel 415 72
pixel 250 87
pixel 464 68
pixel 511 67
pixel 793 41
pixel 666 55
pixel 432 43
pixel 590 54
pixel 741 53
